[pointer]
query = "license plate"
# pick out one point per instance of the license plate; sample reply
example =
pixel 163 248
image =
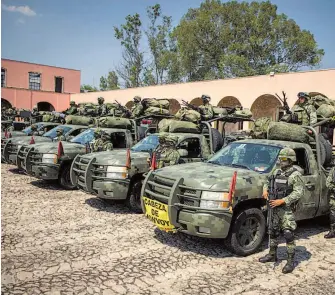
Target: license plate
pixel 157 212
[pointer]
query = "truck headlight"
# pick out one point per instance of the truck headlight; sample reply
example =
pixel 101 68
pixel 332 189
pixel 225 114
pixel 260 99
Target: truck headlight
pixel 116 172
pixel 49 158
pixel 214 200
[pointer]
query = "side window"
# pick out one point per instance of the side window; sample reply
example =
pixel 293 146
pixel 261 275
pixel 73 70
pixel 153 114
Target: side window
pixel 76 132
pixel 49 127
pixel 302 161
pixel 192 145
pixel 118 140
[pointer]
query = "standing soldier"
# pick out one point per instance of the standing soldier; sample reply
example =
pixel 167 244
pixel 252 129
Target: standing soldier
pixel 34 130
pixel 306 112
pixel 331 187
pixel 137 109
pixel 102 109
pixel 206 109
pixel 167 152
pixel 72 109
pixel 60 136
pixel 290 187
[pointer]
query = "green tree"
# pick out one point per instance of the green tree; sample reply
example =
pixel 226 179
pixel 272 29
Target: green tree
pixel 103 83
pixel 237 39
pixel 86 87
pixel 112 81
pixel 130 69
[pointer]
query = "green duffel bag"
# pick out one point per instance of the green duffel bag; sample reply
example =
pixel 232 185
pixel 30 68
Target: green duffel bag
pixel 188 115
pixel 157 103
pixel 47 118
pixel 114 122
pixel 79 120
pixel 319 100
pixel 245 113
pixel 287 132
pixel 156 111
pixel 164 125
pixel 183 127
pixel 219 111
pixel 326 111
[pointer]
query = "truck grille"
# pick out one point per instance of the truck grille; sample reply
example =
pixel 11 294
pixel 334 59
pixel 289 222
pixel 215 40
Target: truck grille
pixel 21 156
pixel 3 143
pixel 159 188
pixel 79 167
pixel 35 157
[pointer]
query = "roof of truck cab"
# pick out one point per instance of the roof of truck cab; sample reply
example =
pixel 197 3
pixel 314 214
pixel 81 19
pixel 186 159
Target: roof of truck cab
pixel 278 143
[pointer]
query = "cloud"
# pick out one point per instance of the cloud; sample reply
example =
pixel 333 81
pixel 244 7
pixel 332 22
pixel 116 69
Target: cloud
pixel 26 10
pixel 21 21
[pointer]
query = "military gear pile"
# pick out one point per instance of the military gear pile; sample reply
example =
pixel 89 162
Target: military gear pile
pixel 326 111
pixel 188 115
pixel 114 122
pixel 287 132
pixel 79 120
pixel 153 106
pixel 260 127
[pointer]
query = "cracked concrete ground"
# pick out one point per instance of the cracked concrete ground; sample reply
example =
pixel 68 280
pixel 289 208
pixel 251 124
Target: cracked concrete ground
pixel 68 242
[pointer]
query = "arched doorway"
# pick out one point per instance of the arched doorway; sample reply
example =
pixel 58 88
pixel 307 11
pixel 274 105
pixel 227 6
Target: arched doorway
pixel 231 101
pixel 5 103
pixel 45 106
pixel 174 106
pixel 267 105
pixel 196 101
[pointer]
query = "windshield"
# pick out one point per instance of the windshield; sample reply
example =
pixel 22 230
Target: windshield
pixel 28 129
pixel 147 144
pixel 52 133
pixel 84 137
pixel 256 157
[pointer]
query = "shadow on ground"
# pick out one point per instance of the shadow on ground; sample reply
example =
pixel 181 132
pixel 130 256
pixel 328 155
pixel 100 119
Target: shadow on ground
pixel 47 184
pixel 16 171
pixel 109 206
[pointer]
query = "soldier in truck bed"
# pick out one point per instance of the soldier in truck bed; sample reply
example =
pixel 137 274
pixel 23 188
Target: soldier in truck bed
pixel 166 151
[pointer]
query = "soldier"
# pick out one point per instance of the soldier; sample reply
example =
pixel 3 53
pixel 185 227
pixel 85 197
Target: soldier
pixel 331 187
pixel 101 142
pixel 206 109
pixel 102 110
pixel 72 109
pixel 306 112
pixel 137 109
pixel 34 130
pixel 60 136
pixel 167 152
pixel 290 186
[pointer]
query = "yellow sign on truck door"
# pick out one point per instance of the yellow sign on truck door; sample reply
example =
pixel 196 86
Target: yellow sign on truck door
pixel 157 212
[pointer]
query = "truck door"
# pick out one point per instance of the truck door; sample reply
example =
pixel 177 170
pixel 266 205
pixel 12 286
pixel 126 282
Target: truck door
pixel 308 204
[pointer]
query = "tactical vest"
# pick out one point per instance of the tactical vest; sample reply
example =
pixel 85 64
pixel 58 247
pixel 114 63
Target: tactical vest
pixel 282 186
pixel 303 116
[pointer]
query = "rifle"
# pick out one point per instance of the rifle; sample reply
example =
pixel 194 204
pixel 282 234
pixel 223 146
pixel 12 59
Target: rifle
pixel 191 106
pixel 284 102
pixel 272 196
pixel 123 108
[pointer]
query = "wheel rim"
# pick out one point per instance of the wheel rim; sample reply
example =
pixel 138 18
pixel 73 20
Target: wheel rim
pixel 248 232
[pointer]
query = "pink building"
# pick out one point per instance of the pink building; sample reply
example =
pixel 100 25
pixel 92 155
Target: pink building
pixel 24 85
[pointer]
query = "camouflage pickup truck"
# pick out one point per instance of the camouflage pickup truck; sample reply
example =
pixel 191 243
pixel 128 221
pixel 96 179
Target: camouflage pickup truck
pixel 194 198
pixel 44 161
pixel 106 175
pixel 12 147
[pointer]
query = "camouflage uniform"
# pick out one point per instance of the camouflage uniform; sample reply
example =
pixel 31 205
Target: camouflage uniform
pixel 290 184
pixel 331 187
pixel 102 108
pixel 137 109
pixel 60 136
pixel 34 130
pixel 101 142
pixel 72 109
pixel 167 153
pixel 306 112
pixel 206 110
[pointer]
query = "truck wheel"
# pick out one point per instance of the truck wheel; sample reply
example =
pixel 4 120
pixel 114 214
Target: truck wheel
pixel 134 198
pixel 247 232
pixel 217 140
pixel 326 149
pixel 64 178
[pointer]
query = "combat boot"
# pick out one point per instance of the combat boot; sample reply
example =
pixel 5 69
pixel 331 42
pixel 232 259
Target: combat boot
pixel 331 233
pixel 289 266
pixel 270 257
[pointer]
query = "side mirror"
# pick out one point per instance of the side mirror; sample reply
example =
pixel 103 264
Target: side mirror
pixel 182 152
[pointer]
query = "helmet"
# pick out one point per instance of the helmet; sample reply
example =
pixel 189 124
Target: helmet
pixel 303 95
pixel 97 132
pixel 33 127
pixel 72 103
pixel 60 130
pixel 287 153
pixel 205 97
pixel 101 99
pixel 171 139
pixel 137 98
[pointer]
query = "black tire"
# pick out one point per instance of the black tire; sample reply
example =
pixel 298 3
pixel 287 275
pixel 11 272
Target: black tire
pixel 217 140
pixel 134 198
pixel 252 219
pixel 64 178
pixel 326 149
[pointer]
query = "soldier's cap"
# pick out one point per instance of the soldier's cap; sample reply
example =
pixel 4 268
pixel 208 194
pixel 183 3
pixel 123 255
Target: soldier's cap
pixel 59 130
pixel 169 138
pixel 137 98
pixel 100 98
pixel 303 95
pixel 205 97
pixel 72 102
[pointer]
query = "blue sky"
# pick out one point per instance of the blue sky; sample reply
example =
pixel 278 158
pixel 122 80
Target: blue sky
pixel 79 34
